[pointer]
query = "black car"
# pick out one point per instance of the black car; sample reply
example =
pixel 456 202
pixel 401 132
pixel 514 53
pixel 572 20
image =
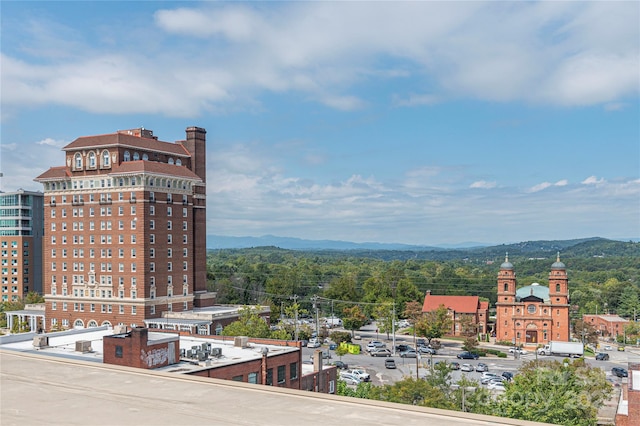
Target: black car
pixel 341 365
pixel 402 348
pixel 467 355
pixel 602 357
pixel 619 372
pixel 507 375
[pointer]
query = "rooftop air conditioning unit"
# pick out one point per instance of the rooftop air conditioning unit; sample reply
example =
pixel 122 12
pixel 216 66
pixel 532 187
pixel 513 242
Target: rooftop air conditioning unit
pixel 40 341
pixel 83 346
pixel 241 341
pixel 119 329
pixel 216 352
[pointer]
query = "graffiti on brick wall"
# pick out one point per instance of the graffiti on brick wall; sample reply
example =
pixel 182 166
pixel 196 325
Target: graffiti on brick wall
pixel 155 356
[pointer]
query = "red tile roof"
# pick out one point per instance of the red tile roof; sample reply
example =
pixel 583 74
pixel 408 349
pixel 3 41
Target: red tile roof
pixel 60 172
pixel 126 140
pixel 154 167
pixel 463 304
pixel 484 305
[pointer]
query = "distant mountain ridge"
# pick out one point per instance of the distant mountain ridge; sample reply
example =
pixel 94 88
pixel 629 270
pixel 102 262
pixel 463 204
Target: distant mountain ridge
pixel 594 247
pixel 215 242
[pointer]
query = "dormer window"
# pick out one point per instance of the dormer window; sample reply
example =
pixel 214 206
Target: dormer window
pixel 145 157
pixel 170 160
pixel 92 160
pixel 78 161
pixel 127 156
pixel 136 156
pixel 178 162
pixel 105 158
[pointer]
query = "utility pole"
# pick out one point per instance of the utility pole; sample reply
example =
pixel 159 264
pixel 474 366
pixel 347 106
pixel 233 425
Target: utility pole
pixel 314 299
pixel 295 306
pixel 393 327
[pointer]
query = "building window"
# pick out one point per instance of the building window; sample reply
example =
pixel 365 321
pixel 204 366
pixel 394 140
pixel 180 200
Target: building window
pixel 105 158
pixel 92 160
pixel 269 377
pixel 252 378
pixel 506 287
pixel 293 371
pixel 127 156
pixel 557 288
pixel 78 161
pixel 282 376
pixel 118 351
pixel 531 309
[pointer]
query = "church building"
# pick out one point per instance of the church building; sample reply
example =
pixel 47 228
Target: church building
pixel 535 314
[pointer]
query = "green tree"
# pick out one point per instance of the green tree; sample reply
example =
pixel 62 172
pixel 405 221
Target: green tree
pixel 629 302
pixel 585 332
pixel 414 392
pixel 558 392
pixel 434 324
pixel 478 400
pixel 353 319
pixel 249 324
pixel 384 317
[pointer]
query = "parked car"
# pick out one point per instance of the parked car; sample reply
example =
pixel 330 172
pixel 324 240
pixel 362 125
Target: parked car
pixel 608 348
pixel 619 372
pixel 486 377
pixel 409 353
pixel 333 346
pixel 389 363
pixel 467 355
pixel 375 345
pixel 498 386
pixel 620 348
pixel 508 376
pixel 360 374
pixel 380 352
pixel 517 350
pixel 349 379
pixel 313 343
pixel 426 350
pixel 466 367
pixel 341 365
pixel 421 342
pixel 482 367
pixel 455 365
pixel 402 348
pixel 602 357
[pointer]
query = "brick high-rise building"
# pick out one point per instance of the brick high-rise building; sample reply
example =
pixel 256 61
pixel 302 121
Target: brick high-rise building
pixel 21 229
pixel 534 314
pixel 125 229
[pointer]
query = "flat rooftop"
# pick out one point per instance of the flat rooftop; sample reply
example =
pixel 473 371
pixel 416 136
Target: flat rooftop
pixel 43 390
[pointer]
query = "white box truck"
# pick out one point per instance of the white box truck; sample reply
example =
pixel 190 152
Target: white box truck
pixel 568 349
pixel 332 322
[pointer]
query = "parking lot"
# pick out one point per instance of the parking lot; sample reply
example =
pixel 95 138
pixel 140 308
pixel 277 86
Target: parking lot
pixel 406 367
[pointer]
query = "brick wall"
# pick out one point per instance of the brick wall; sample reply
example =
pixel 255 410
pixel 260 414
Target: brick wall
pixel 133 349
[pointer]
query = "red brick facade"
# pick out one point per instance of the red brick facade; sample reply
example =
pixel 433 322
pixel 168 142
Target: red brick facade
pixel 134 349
pixel 533 314
pixel 124 229
pixel 469 315
pixel 606 325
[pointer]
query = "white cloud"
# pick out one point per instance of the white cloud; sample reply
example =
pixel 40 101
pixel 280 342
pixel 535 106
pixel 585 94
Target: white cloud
pixel 52 142
pixel 482 184
pixel 577 53
pixel 592 180
pixel 545 185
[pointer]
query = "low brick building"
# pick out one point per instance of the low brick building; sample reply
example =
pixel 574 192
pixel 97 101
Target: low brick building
pixel 141 349
pixel 466 312
pixel 606 325
pixel 629 406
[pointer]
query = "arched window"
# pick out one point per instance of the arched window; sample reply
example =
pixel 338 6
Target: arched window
pixel 92 160
pixel 107 323
pixel 136 156
pixel 78 324
pixel 78 161
pixel 170 160
pixel 145 157
pixel 105 158
pixel 557 288
pixel 506 287
pixel 92 324
pixel 178 162
pixel 127 156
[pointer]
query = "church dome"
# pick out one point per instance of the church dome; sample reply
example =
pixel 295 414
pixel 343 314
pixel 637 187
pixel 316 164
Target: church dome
pixel 506 264
pixel 557 264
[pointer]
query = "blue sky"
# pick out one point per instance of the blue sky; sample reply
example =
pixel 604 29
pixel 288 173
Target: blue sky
pixel 412 122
